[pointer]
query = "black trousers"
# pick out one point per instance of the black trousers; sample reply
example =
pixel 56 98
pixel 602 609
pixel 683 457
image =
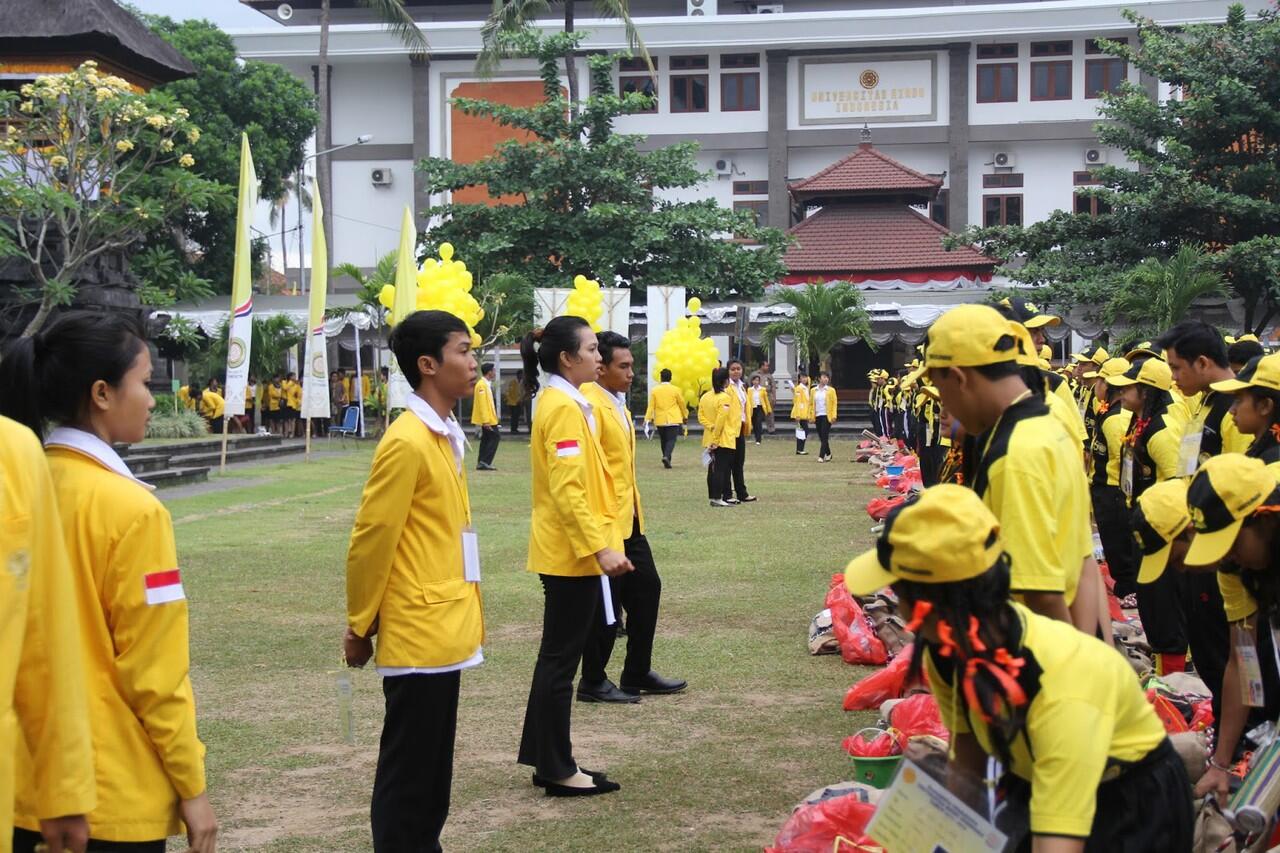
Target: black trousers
pixel 1147 809
pixel 1160 608
pixel 1208 635
pixel 757 423
pixel 25 841
pixel 570 606
pixel 824 436
pixel 739 467
pixel 667 436
pixel 722 473
pixel 1117 537
pixel 415 762
pixel 515 412
pixel 713 484
pixel 802 425
pixel 489 438
pixel 639 593
pixel 931 458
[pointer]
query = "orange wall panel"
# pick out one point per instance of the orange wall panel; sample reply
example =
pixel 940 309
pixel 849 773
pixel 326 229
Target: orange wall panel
pixel 476 137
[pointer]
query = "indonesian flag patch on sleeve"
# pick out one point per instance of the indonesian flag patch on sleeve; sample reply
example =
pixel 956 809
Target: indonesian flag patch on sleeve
pixel 163 587
pixel 568 448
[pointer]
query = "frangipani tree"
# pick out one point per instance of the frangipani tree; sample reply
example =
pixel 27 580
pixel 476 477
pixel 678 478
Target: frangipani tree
pixel 87 167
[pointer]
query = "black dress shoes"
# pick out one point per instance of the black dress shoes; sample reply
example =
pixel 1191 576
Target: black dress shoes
pixel 654 683
pixel 602 786
pixel 606 691
pixel 539 782
pixel 666 463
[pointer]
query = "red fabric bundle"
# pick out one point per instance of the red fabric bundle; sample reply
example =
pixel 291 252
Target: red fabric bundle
pixel 835 824
pixel 888 683
pixel 881 745
pixel 858 641
pixel 918 714
pixel 879 508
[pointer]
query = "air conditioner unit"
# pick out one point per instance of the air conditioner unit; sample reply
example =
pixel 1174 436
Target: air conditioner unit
pixel 695 8
pixel 724 168
pixel 380 177
pixel 769 9
pixel 1003 159
pixel 284 11
pixel 1095 156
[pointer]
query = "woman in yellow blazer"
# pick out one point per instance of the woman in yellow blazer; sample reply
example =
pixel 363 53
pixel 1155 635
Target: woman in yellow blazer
pixel 801 411
pixel 42 692
pixel 707 409
pixel 825 406
pixel 721 438
pixel 131 605
pixel 758 405
pixel 413 577
pixel 575 544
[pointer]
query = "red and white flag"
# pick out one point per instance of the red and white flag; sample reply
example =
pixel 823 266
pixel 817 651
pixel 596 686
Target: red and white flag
pixel 568 448
pixel 163 587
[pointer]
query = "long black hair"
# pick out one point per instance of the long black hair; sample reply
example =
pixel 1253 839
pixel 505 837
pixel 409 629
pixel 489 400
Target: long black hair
pixel 541 348
pixel 719 378
pixel 46 378
pixel 983 627
pixel 1266 445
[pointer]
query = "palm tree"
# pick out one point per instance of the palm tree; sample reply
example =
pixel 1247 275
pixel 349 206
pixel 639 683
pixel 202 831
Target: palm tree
pixel 513 16
pixel 1157 293
pixel 825 314
pixel 278 206
pixel 397 19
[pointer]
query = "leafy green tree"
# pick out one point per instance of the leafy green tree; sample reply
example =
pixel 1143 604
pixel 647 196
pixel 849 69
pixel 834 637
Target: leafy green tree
pixel 825 314
pixel 272 338
pixel 1158 293
pixel 87 169
pixel 1208 172
pixel 228 96
pixel 585 200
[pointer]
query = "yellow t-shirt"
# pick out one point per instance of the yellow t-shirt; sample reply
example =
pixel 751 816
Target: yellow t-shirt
pixel 1030 476
pixel 1086 712
pixel 1108 444
pixel 274 394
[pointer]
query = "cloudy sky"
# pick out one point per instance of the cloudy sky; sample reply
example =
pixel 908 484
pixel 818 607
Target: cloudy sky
pixel 228 14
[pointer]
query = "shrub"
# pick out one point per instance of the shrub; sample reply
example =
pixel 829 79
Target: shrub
pixel 184 424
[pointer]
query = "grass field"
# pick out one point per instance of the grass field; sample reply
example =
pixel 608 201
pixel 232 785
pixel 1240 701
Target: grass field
pixel 717 768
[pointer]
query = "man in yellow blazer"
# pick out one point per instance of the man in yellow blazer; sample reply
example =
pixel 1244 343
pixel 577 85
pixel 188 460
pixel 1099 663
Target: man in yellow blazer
pixel 801 411
pixel 639 591
pixel 42 696
pixel 484 414
pixel 667 411
pixel 739 414
pixel 413 578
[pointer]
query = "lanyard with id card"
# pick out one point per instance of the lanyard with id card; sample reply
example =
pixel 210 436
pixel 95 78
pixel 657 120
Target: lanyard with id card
pixel 1244 642
pixel 1126 471
pixel 1189 450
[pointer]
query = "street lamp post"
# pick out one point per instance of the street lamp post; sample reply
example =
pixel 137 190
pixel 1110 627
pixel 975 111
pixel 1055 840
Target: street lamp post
pixel 360 140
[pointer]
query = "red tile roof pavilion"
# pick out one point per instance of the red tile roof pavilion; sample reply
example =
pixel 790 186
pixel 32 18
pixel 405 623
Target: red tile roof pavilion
pixel 867 230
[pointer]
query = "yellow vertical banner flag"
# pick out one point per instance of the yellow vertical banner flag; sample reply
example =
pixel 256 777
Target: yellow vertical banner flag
pixel 240 330
pixel 406 302
pixel 315 380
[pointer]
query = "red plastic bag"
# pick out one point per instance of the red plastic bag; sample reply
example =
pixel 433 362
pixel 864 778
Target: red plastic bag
pixel 1202 717
pixel 857 637
pixel 1168 713
pixel 918 714
pixel 879 508
pixel 880 744
pixel 868 693
pixel 835 824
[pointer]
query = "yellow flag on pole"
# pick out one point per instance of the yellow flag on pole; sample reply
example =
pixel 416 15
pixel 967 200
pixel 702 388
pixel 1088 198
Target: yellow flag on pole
pixel 406 303
pixel 241 325
pixel 315 382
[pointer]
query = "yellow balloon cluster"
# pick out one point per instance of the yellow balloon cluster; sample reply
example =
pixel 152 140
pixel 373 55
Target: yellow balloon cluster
pixel 443 285
pixel 689 356
pixel 586 301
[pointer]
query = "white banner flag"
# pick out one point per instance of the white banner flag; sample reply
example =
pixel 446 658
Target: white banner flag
pixel 241 332
pixel 315 368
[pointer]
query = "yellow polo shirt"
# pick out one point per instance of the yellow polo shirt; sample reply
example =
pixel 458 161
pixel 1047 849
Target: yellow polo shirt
pixel 43 697
pixel 1108 444
pixel 1030 476
pixel 1086 712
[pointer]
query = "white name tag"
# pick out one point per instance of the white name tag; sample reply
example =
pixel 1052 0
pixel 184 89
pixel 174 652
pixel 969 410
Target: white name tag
pixel 1126 473
pixel 470 556
pixel 1251 690
pixel 1189 452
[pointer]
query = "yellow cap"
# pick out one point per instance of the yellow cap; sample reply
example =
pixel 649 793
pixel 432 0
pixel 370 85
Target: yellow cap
pixel 1159 517
pixel 1153 372
pixel 1046 353
pixel 1146 348
pixel 1260 372
pixel 1026 347
pixel 947 535
pixel 1111 367
pixel 912 377
pixel 1224 492
pixel 1243 339
pixel 971 336
pixel 1028 314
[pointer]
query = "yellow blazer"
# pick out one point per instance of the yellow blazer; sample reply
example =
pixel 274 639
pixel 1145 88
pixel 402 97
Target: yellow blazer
pixel 133 621
pixel 43 702
pixel 574 499
pixel 738 411
pixel 666 406
pixel 715 413
pixel 707 417
pixel 404 563
pixel 801 405
pixel 833 404
pixel 619 444
pixel 765 406
pixel 483 412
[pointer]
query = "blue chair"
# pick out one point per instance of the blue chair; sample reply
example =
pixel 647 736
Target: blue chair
pixel 350 425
